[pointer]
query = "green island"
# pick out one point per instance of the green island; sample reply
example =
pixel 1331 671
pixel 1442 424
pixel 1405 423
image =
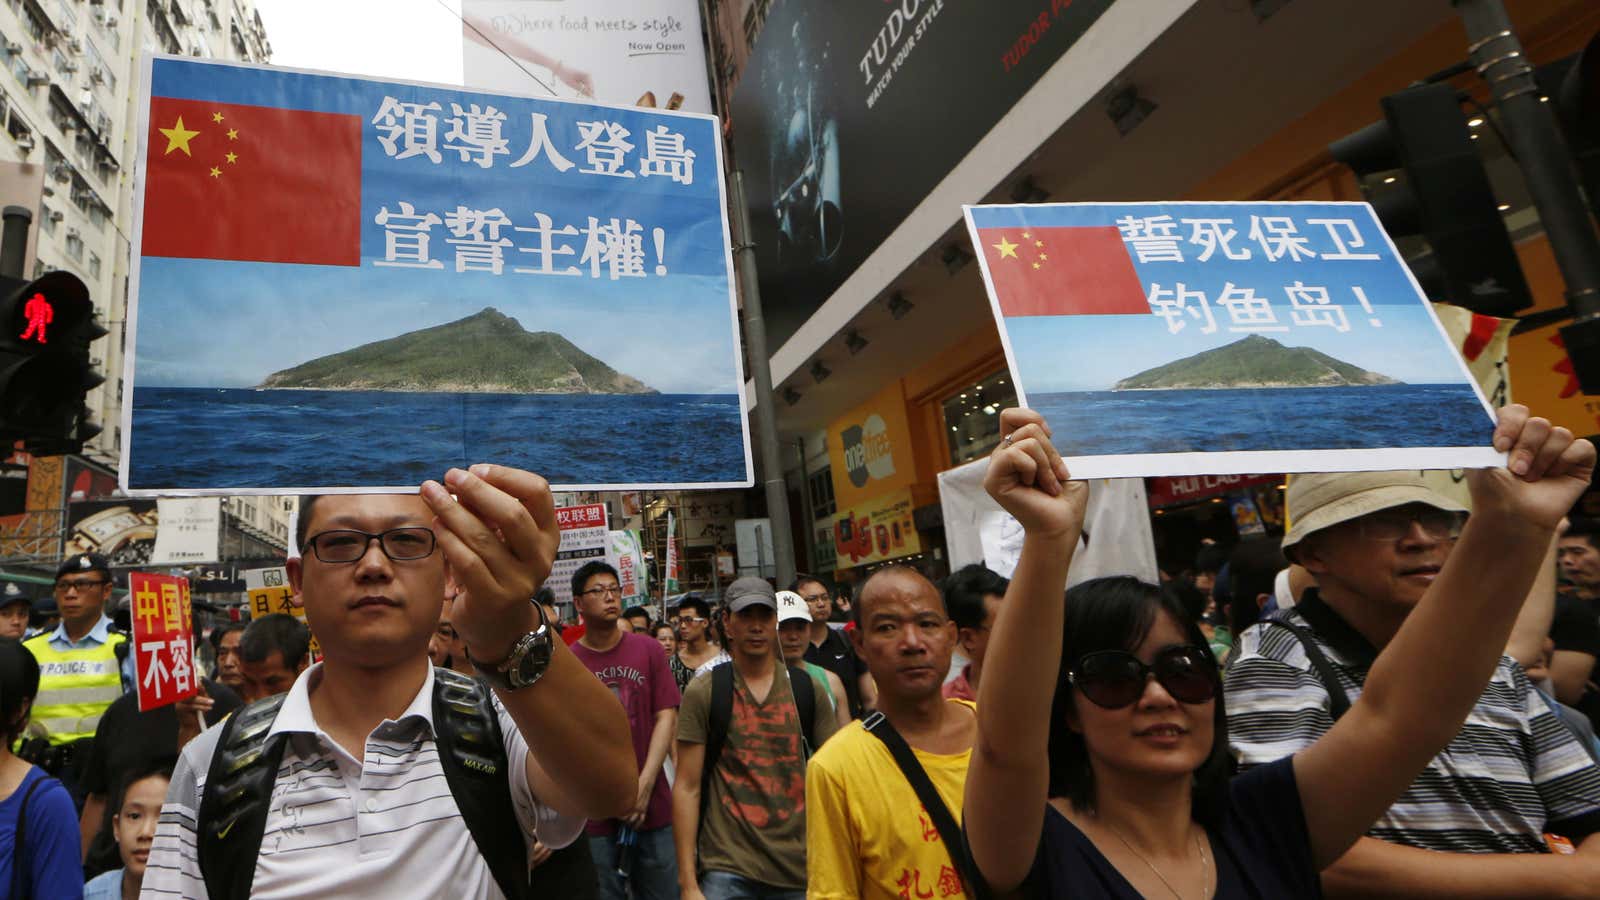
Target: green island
pixel 486 353
pixel 1254 362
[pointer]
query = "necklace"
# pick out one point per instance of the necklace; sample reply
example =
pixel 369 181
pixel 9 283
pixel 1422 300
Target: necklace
pixel 1205 869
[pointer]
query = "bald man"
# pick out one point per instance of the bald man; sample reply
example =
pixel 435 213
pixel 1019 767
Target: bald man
pixel 859 841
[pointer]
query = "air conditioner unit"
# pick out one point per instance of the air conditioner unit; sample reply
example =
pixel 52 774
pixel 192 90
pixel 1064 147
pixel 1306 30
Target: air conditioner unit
pixel 68 65
pixel 97 75
pixel 36 78
pixel 73 232
pixel 25 141
pixel 73 44
pixel 56 215
pixel 13 47
pixel 112 21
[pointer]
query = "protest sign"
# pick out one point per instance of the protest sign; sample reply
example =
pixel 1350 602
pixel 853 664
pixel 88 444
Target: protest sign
pixel 642 52
pixel 876 530
pixel 270 592
pixel 163 639
pixel 585 536
pixel 382 339
pixel 671 579
pixel 628 557
pixel 1117 535
pixel 1226 338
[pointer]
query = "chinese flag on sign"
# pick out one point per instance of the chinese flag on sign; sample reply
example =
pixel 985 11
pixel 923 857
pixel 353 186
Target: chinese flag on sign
pixel 252 183
pixel 1078 271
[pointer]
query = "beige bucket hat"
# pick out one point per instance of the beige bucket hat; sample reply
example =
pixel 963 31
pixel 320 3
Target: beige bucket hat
pixel 1322 500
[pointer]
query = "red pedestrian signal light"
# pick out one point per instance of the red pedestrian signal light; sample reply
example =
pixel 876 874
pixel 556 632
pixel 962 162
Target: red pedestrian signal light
pixel 40 314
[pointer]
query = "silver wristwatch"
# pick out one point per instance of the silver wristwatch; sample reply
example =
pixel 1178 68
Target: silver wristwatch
pixel 526 662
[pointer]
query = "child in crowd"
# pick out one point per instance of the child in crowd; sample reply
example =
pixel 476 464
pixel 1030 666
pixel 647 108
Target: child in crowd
pixel 135 810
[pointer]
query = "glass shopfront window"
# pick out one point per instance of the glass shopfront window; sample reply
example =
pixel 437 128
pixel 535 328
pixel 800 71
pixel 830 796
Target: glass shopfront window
pixel 972 417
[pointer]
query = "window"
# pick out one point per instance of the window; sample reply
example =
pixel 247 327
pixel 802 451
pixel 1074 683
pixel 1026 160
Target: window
pixel 47 222
pixel 94 265
pixel 820 485
pixel 973 417
pixel 74 244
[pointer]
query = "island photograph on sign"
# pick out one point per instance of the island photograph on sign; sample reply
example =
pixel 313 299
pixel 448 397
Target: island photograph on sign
pixel 344 283
pixel 1179 339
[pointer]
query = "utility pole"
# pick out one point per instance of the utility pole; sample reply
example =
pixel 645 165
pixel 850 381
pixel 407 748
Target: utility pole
pixel 1535 139
pixel 766 430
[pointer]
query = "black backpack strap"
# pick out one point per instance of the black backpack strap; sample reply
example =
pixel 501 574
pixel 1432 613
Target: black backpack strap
pixel 805 703
pixel 233 806
pixel 878 726
pixel 717 725
pixel 472 752
pixel 1338 700
pixel 18 873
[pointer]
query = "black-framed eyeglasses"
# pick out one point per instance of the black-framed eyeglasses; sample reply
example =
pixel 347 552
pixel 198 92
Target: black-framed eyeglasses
pixel 1114 679
pixel 816 598
pixel 597 592
pixel 79 584
pixel 346 545
pixel 1393 524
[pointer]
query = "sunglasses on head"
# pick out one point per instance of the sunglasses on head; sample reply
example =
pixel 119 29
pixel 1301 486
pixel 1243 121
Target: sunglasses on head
pixel 1114 679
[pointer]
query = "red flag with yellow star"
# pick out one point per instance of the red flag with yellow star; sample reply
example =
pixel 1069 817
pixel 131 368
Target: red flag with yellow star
pixel 252 183
pixel 1078 271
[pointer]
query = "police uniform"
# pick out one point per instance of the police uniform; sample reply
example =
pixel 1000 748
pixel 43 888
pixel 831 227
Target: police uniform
pixel 78 679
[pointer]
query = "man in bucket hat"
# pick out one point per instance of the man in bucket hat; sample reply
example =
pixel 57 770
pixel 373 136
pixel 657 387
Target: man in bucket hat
pixel 1512 784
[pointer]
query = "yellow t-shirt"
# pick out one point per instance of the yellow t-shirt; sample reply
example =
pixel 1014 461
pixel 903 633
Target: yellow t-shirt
pixel 867 835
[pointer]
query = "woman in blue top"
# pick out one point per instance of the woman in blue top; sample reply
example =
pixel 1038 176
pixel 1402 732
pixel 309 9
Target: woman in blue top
pixel 39 843
pixel 1136 768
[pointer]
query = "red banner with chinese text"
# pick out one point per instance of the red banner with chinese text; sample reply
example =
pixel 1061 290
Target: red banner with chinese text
pixel 163 639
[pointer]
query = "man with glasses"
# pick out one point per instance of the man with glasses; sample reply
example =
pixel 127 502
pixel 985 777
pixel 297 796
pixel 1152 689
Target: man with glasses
pixel 832 651
pixel 697 651
pixel 972 594
pixel 1513 781
pixel 861 838
pixel 374 792
pixel 634 667
pixel 83 666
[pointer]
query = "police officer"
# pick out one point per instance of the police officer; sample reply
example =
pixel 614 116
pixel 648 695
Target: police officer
pixel 83 665
pixel 15 607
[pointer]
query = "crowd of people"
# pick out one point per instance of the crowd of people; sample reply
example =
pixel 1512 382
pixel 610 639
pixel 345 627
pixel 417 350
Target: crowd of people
pixel 1397 698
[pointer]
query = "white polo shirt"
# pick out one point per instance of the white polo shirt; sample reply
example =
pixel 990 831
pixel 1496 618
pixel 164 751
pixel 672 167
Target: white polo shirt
pixel 386 827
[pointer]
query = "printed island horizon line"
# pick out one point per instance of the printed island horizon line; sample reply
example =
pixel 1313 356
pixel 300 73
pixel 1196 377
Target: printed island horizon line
pixel 1249 363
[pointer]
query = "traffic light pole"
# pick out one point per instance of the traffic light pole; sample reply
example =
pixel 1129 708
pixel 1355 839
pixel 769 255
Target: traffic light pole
pixel 755 334
pixel 1535 139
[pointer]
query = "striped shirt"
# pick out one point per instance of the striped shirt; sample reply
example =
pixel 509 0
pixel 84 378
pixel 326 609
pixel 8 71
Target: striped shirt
pixel 1511 774
pixel 338 827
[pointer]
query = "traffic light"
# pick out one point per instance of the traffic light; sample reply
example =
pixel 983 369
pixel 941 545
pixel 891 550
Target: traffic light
pixel 46 326
pixel 1441 192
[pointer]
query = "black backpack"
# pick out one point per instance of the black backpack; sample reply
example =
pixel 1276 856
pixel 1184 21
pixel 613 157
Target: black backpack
pixel 805 702
pixel 233 808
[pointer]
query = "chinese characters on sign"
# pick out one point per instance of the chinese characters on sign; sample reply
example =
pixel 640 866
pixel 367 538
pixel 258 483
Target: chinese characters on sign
pixel 163 639
pixel 585 536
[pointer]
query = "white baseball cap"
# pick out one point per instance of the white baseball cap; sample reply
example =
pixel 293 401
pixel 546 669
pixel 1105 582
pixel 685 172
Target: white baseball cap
pixel 792 606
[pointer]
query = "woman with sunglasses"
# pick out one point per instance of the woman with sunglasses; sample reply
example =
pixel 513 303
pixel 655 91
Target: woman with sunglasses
pixel 1101 767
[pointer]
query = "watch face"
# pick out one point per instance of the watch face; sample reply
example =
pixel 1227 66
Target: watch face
pixel 533 662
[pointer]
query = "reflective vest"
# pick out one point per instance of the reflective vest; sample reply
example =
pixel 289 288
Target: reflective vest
pixel 75 687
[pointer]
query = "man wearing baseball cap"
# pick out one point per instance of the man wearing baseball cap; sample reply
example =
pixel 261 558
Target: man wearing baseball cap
pixel 739 800
pixel 794 636
pixel 1512 784
pixel 15 605
pixel 83 664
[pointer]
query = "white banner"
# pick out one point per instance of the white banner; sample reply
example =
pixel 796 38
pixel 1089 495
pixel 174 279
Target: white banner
pixel 189 531
pixel 637 52
pixel 1117 536
pixel 628 559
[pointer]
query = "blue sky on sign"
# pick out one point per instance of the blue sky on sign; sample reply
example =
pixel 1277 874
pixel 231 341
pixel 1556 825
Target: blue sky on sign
pixel 674 332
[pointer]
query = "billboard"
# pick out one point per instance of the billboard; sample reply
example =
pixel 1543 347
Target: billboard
pixel 171 532
pixel 843 122
pixel 638 52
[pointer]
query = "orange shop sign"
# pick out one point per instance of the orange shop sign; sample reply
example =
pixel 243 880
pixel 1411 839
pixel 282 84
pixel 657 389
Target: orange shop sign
pixel 879 530
pixel 869 449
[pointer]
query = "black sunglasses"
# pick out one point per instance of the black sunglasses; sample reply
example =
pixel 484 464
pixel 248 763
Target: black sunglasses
pixel 1114 679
